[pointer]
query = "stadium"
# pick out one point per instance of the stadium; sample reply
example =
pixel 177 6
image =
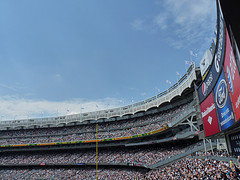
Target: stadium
pixel 189 131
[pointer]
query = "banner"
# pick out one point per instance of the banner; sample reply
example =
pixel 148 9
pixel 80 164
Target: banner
pixel 209 115
pixel 235 143
pixel 223 103
pixel 211 78
pixel 232 74
pixel 205 62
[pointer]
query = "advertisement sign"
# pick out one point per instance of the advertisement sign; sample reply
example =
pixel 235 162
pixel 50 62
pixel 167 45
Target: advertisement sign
pixel 233 79
pixel 211 78
pixel 235 143
pixel 81 164
pixel 205 62
pixel 223 103
pixel 209 115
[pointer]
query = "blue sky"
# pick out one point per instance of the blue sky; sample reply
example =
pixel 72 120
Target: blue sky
pixel 64 57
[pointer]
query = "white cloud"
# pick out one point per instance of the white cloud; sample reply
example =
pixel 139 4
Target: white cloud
pixel 58 76
pixel 138 24
pixel 188 21
pixel 144 94
pixel 161 21
pixel 18 108
pixel 12 88
pixel 143 25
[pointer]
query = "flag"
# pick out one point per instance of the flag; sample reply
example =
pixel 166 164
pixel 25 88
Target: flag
pixel 188 62
pixel 132 100
pixel 193 54
pixel 169 82
pixel 179 74
pixel 157 89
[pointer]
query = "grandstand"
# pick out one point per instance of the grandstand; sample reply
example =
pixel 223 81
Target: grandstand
pixel 189 131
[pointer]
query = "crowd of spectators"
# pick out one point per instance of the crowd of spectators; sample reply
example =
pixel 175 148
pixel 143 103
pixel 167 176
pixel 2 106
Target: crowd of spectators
pixel 70 174
pixel 133 126
pixel 106 130
pixel 188 169
pixel 143 156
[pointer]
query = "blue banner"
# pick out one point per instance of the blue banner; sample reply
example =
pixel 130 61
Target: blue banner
pixel 223 103
pixel 81 164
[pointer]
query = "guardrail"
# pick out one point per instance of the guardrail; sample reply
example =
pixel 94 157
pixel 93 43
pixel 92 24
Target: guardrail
pixel 182 155
pixel 226 159
pixel 183 117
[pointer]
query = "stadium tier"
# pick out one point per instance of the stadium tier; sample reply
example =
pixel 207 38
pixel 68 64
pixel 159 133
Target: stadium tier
pixel 189 131
pixel 110 114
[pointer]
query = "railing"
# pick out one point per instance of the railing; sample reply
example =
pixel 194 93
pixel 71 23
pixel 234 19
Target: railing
pixel 226 159
pixel 182 155
pixel 182 117
pixel 184 134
